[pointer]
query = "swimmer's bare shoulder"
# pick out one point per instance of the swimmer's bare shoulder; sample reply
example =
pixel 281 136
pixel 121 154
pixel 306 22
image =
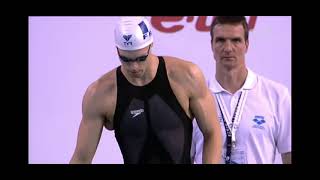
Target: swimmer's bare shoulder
pixel 183 76
pixel 102 96
pixel 97 111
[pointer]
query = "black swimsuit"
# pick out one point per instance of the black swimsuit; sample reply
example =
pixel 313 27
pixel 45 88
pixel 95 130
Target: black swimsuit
pixel 150 124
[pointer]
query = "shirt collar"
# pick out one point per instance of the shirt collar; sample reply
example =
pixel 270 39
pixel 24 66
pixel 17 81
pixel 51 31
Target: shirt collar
pixel 250 82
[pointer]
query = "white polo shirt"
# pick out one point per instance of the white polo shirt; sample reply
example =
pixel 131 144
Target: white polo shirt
pixel 264 124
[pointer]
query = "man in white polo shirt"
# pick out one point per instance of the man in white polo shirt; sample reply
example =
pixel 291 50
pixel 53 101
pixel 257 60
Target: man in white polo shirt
pixel 254 112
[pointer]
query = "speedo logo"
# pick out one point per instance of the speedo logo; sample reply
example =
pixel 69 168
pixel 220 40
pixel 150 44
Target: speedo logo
pixel 136 112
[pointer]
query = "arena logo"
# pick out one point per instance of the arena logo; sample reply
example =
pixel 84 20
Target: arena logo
pixel 176 23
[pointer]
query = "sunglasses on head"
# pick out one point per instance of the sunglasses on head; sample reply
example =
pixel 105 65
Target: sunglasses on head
pixel 141 58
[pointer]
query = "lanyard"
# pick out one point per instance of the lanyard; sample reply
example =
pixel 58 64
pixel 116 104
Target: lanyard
pixel 231 126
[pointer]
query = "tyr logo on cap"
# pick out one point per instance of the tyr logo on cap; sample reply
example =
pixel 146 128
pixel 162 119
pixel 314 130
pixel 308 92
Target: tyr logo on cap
pixel 127 37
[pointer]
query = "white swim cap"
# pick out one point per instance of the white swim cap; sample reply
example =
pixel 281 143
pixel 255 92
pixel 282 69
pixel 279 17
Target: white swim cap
pixel 132 33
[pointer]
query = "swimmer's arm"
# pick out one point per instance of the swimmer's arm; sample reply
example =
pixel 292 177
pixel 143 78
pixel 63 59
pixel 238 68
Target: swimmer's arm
pixel 89 131
pixel 203 108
